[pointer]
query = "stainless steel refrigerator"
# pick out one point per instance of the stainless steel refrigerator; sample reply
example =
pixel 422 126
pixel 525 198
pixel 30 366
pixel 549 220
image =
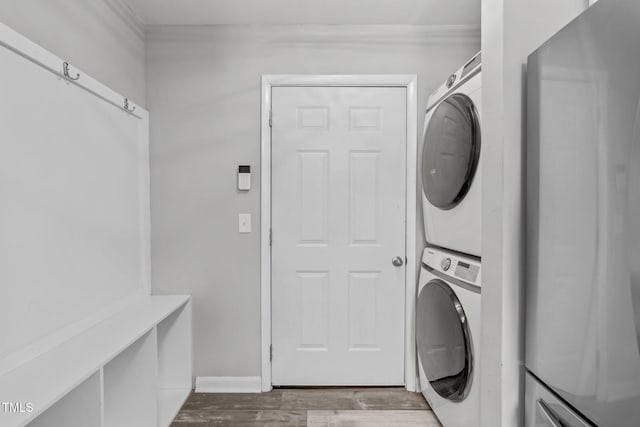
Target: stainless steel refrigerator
pixel 583 222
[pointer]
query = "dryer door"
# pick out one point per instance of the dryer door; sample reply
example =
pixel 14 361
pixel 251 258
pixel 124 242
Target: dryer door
pixel 451 151
pixel 444 341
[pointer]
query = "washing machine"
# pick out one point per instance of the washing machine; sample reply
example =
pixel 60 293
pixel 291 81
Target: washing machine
pixel 448 336
pixel 451 162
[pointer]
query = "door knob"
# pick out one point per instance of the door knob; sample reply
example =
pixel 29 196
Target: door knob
pixel 397 261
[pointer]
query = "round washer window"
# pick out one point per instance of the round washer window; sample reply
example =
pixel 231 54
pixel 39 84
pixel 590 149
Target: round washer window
pixel 451 151
pixel 444 341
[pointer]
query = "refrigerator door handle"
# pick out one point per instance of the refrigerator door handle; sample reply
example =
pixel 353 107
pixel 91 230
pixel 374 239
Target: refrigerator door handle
pixel 552 418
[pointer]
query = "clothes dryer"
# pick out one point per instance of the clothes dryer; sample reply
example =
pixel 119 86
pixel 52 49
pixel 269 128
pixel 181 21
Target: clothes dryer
pixel 451 163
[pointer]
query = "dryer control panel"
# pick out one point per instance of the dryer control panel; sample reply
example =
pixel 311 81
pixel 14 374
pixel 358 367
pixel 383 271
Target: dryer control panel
pixel 453 264
pixel 469 69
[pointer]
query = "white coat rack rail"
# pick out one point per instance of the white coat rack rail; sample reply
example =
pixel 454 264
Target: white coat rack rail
pixel 36 54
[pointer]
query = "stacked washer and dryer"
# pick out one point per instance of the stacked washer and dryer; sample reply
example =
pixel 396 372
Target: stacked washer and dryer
pixel 448 304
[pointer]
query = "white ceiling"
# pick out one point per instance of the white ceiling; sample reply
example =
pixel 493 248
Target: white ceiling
pixel 355 12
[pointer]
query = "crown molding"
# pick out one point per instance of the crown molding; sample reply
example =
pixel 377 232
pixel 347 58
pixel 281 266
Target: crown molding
pixel 124 10
pixel 321 34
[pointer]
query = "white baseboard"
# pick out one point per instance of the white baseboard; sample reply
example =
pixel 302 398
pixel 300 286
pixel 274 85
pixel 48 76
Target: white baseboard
pixel 228 385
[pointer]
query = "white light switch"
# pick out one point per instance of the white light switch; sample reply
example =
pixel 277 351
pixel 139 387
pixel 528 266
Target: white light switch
pixel 244 223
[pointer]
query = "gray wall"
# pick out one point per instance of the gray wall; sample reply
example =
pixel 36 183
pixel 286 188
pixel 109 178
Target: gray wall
pixel 99 36
pixel 203 90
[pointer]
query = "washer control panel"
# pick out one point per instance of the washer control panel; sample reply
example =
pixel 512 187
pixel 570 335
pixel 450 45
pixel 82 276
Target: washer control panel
pixel 467 271
pixel 454 265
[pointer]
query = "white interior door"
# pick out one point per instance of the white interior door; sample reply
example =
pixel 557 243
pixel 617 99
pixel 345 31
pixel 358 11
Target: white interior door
pixel 338 220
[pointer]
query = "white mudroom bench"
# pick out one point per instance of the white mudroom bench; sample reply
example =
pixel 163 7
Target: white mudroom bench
pixel 130 368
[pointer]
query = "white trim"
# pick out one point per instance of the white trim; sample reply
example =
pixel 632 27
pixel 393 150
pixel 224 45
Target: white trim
pixel 411 231
pixel 145 200
pixel 265 230
pixel 399 80
pixel 353 35
pixel 228 385
pixel 409 82
pixel 24 47
pixel 101 373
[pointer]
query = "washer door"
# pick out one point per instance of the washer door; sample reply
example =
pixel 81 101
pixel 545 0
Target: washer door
pixel 444 341
pixel 451 151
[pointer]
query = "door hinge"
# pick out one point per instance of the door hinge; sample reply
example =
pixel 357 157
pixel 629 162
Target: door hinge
pixel 270 352
pixel 270 118
pixel 270 237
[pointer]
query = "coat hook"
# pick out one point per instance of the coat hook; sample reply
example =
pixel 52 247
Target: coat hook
pixel 126 106
pixel 65 70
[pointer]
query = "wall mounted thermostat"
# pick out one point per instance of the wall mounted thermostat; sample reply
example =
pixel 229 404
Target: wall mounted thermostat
pixel 244 177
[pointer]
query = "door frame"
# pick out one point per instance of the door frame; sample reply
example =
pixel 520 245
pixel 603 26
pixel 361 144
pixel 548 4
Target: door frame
pixel 410 82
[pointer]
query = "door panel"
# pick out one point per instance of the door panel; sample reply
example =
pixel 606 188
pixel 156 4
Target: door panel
pixel 338 219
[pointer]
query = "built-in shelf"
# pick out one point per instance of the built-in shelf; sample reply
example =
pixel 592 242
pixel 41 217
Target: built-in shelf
pixel 83 402
pixel 149 341
pixel 130 386
pixel 174 363
pixel 169 404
